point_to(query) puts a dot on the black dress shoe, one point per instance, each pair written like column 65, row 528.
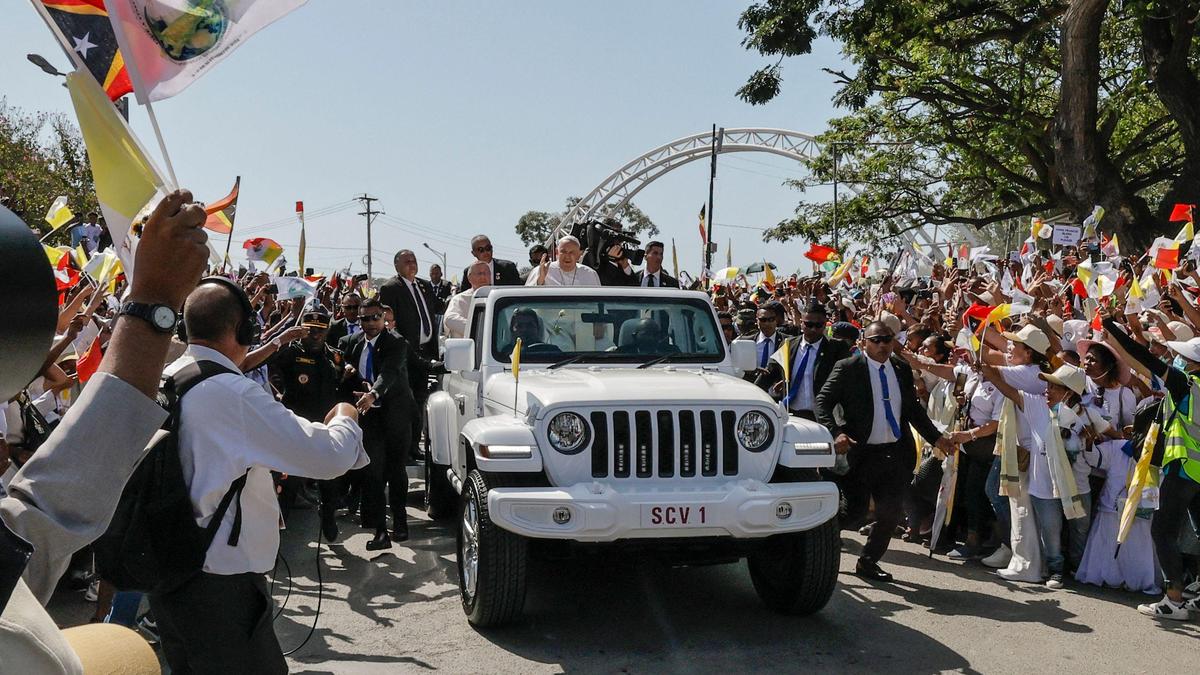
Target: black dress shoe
column 329, row 528
column 401, row 532
column 869, row 570
column 380, row 541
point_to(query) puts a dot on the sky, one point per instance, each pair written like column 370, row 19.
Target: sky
column 461, row 116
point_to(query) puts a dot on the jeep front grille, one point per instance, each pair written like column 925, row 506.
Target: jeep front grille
column 663, row 443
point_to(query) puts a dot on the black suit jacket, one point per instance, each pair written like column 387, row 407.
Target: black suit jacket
column 849, row 386
column 394, row 293
column 392, row 356
column 830, row 353
column 337, row 331
column 667, row 280
column 504, row 273
column 441, row 295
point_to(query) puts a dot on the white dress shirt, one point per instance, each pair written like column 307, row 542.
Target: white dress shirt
column 773, row 345
column 805, row 395
column 228, row 426
column 881, row 431
column 362, row 358
column 582, row 275
column 458, row 313
column 657, row 279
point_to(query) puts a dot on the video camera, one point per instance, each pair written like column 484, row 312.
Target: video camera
column 598, row 236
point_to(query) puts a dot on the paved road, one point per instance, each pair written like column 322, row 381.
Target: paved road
column 399, row 611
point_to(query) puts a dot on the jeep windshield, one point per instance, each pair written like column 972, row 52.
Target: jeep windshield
column 565, row 330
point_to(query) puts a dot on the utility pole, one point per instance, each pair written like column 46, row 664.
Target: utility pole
column 717, row 137
column 370, row 215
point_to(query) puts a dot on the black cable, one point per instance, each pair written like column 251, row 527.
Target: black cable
column 320, row 591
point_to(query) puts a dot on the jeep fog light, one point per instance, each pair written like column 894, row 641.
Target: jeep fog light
column 754, row 431
column 562, row 515
column 783, row 510
column 568, row 433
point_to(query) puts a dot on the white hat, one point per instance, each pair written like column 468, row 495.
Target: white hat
column 891, row 320
column 1188, row 349
column 1056, row 323
column 1067, row 376
column 1031, row 336
column 1181, row 330
column 1073, row 331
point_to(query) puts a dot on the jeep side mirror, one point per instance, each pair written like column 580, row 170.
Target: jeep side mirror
column 743, row 352
column 460, row 355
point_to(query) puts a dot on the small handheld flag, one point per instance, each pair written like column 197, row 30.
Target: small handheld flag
column 59, row 213
column 516, row 370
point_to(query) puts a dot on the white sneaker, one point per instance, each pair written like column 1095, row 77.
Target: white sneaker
column 1192, row 590
column 1055, row 581
column 1165, row 609
column 1192, row 605
column 1000, row 558
column 93, row 591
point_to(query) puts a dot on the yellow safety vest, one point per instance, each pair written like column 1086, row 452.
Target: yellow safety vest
column 1183, row 433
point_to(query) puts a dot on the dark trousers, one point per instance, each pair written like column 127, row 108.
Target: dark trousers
column 1178, row 497
column 386, row 438
column 220, row 624
column 972, row 475
column 882, row 473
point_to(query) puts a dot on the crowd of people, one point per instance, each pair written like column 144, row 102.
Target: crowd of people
column 1025, row 394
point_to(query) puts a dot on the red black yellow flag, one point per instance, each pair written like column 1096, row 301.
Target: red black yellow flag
column 85, row 32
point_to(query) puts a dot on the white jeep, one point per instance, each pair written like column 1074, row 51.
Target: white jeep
column 629, row 423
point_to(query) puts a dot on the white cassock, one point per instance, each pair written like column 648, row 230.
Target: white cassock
column 458, row 311
column 582, row 275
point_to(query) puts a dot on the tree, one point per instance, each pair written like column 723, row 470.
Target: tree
column 990, row 111
column 42, row 156
column 538, row 226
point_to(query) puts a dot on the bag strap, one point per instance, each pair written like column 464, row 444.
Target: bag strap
column 235, row 532
column 176, row 386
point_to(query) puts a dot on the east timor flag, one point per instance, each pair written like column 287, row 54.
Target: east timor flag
column 85, row 32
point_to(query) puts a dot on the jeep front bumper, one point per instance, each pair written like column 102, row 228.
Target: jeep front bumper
column 600, row 512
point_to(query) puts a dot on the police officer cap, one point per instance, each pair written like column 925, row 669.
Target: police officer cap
column 316, row 318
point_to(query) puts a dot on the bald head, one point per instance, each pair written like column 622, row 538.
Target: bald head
column 211, row 314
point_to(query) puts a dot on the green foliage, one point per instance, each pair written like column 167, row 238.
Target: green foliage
column 537, row 226
column 952, row 107
column 42, row 156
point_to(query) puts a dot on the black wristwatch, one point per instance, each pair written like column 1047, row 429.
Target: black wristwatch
column 163, row 318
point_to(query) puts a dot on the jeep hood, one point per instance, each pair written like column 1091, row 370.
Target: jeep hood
column 625, row 386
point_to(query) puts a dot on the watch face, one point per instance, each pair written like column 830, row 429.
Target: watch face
column 164, row 317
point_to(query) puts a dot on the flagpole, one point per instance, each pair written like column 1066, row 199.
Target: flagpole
column 162, row 145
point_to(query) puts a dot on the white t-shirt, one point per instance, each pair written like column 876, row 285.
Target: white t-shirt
column 1025, row 380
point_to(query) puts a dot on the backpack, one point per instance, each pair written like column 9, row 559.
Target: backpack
column 153, row 542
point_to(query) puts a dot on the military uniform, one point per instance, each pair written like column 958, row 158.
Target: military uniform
column 309, row 383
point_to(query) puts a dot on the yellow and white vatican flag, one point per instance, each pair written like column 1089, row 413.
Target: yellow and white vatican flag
column 125, row 178
column 169, row 44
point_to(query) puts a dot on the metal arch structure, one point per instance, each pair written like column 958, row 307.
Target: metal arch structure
column 615, row 191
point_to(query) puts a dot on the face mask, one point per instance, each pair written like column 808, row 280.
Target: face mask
column 1179, row 363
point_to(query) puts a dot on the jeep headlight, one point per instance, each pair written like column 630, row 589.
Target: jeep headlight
column 568, row 433
column 754, row 431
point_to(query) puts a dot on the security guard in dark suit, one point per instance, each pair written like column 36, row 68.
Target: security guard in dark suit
column 307, row 373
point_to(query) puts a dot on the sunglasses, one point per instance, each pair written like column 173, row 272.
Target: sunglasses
column 349, row 308
column 769, row 319
column 814, row 324
column 371, row 317
column 880, row 339
column 484, row 249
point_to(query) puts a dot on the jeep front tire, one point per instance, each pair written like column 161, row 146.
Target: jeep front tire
column 491, row 560
column 795, row 573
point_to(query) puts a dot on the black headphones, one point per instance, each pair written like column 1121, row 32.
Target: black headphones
column 247, row 331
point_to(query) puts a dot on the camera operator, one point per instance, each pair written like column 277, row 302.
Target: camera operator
column 231, row 431
column 607, row 254
column 102, row 436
